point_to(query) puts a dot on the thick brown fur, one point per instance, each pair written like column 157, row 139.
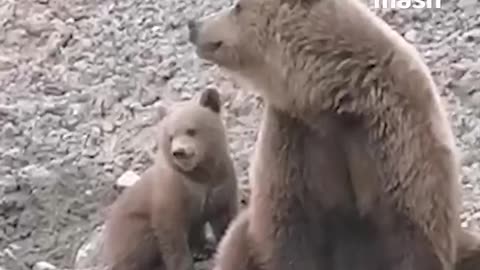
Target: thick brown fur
column 158, row 223
column 356, row 166
column 235, row 250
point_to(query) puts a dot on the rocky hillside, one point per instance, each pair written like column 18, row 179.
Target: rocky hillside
column 81, row 82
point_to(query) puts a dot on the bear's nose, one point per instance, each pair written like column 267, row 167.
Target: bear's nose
column 181, row 153
column 192, row 31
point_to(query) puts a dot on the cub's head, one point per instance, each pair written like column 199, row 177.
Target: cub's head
column 193, row 134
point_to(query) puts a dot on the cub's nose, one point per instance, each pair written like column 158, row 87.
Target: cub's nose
column 182, row 153
column 192, row 31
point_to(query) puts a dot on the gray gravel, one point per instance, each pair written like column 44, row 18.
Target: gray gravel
column 81, row 83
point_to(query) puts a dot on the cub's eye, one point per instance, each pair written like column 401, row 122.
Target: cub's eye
column 191, row 132
column 237, row 8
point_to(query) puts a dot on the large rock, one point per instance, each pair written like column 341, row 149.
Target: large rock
column 89, row 254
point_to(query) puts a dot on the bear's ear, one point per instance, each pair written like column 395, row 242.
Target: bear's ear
column 210, row 98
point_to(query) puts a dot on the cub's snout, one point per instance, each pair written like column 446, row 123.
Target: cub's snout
column 183, row 151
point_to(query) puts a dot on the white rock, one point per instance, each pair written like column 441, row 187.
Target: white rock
column 127, row 179
column 411, row 35
column 108, row 126
column 476, row 216
column 89, row 254
column 38, row 23
column 35, row 171
column 7, row 11
column 44, row 266
column 186, row 95
column 6, row 63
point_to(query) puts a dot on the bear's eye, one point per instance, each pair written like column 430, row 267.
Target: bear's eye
column 191, row 132
column 237, row 8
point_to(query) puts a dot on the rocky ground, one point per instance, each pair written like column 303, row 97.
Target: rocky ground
column 81, row 82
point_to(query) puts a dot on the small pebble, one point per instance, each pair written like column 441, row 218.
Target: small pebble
column 10, row 130
column 411, row 35
column 44, row 266
column 186, row 95
column 108, row 127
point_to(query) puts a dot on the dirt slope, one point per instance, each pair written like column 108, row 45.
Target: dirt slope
column 81, row 81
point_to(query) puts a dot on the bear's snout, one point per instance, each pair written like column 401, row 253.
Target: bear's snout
column 202, row 43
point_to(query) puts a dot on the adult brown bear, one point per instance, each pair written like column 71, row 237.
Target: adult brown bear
column 356, row 166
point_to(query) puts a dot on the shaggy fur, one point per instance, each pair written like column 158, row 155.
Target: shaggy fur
column 356, row 165
column 235, row 249
column 158, row 223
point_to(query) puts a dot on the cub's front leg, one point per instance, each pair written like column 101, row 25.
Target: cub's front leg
column 172, row 238
column 223, row 207
column 201, row 248
column 175, row 252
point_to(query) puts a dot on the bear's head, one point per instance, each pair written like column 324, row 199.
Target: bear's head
column 193, row 134
column 289, row 49
column 256, row 40
column 238, row 37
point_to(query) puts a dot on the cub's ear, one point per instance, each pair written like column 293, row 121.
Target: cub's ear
column 210, row 98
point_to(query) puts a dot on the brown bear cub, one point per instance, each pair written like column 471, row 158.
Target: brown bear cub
column 158, row 223
column 356, row 166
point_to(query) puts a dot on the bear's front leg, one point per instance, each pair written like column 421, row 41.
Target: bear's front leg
column 235, row 250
